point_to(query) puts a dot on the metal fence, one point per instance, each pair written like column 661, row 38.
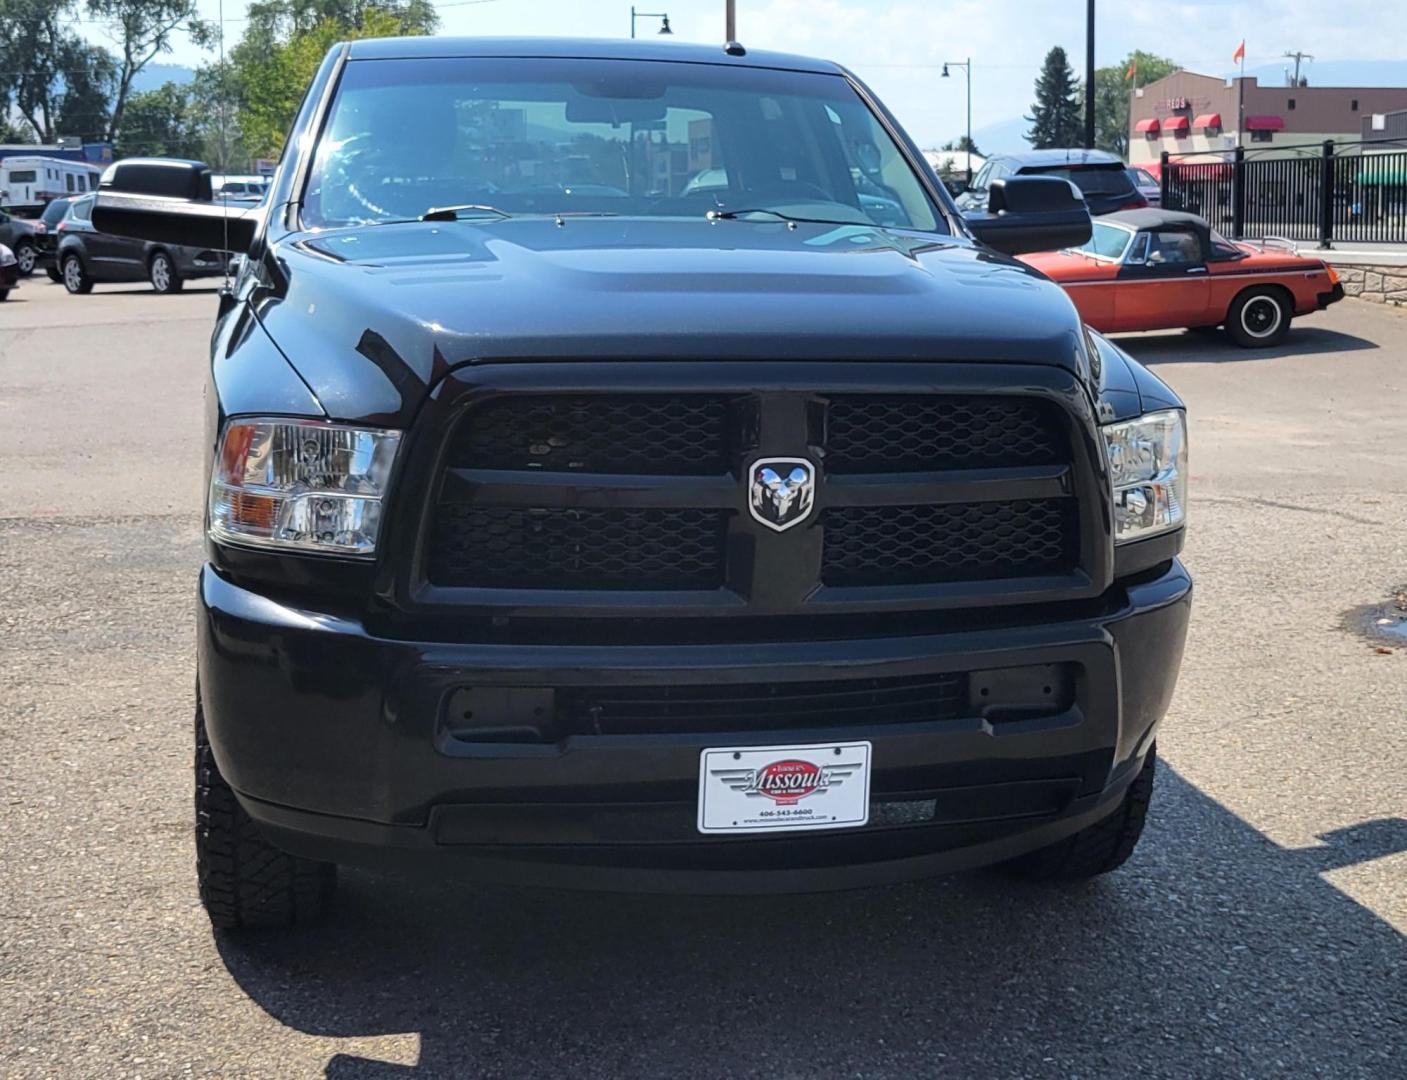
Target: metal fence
column 1352, row 192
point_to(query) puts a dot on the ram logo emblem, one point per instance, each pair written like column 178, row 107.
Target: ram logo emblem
column 782, row 491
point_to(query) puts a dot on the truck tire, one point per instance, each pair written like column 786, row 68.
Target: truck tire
column 162, row 273
column 25, row 256
column 1098, row 848
column 246, row 882
column 1259, row 318
column 75, row 276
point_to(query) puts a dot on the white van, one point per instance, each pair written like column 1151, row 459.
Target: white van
column 32, row 181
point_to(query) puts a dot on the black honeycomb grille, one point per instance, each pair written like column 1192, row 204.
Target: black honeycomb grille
column 513, row 548
column 876, row 433
column 661, row 435
column 643, row 710
column 919, row 545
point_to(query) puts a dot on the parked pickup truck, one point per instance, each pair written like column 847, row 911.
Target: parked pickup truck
column 568, row 523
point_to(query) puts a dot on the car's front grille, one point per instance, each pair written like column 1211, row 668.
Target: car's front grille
column 602, row 492
column 876, row 433
column 947, row 542
column 644, row 710
column 650, row 434
column 539, row 548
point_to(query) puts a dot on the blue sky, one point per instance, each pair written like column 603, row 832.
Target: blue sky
column 899, row 47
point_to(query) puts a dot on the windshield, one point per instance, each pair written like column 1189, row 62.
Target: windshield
column 1094, row 180
column 627, row 137
column 1107, row 241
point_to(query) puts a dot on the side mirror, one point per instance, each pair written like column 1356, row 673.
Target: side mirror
column 168, row 200
column 1032, row 213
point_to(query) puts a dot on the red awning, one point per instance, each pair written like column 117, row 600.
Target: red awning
column 1177, row 125
column 1207, row 120
column 1148, row 127
column 1265, row 123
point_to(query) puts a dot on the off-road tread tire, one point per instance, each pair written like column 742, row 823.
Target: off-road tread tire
column 1098, row 848
column 246, row 882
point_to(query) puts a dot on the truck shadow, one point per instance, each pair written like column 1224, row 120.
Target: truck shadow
column 1213, row 952
column 1189, row 347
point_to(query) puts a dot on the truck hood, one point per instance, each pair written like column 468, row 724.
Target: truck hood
column 372, row 317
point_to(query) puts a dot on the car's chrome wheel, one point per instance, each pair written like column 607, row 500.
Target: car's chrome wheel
column 73, row 274
column 161, row 273
column 25, row 256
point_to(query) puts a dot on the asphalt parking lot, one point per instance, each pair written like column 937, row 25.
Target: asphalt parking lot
column 1260, row 930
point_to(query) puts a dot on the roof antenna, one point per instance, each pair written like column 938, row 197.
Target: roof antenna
column 730, row 30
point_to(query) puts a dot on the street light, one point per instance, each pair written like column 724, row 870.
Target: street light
column 664, row 19
column 966, row 65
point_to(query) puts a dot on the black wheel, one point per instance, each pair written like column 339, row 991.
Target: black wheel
column 54, row 275
column 163, row 274
column 1259, row 318
column 246, row 882
column 25, row 256
column 1098, row 848
column 75, row 275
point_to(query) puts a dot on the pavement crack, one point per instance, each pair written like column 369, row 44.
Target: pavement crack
column 1276, row 504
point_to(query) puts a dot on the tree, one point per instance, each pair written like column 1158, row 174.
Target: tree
column 164, row 122
column 142, row 30
column 1113, row 87
column 962, row 142
column 284, row 42
column 1056, row 116
column 53, row 78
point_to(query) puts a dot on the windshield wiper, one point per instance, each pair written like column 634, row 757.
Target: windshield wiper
column 790, row 219
column 451, row 213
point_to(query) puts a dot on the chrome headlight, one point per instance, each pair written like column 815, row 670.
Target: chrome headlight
column 1148, row 470
column 301, row 485
column 7, row 257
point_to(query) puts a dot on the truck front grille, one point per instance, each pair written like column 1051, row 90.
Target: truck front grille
column 650, row 434
column 925, row 545
column 598, row 492
column 540, row 548
column 875, row 433
column 646, row 710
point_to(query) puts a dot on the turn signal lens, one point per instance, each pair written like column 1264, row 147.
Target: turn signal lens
column 301, row 485
column 1148, row 471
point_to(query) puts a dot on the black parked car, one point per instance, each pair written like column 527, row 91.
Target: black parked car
column 18, row 235
column 87, row 255
column 649, row 537
column 46, row 238
column 1102, row 177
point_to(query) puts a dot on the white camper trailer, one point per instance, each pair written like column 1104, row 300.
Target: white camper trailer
column 30, row 182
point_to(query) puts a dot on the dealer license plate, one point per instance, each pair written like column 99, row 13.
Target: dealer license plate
column 749, row 789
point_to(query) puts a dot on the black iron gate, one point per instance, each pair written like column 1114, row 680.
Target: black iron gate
column 1354, row 193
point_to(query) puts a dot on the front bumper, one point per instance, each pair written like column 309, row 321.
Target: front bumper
column 335, row 742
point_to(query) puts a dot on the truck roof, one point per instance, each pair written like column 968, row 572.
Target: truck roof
column 580, row 48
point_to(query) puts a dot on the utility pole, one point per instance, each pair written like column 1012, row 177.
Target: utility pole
column 1297, row 57
column 1089, row 74
column 730, row 21
column 966, row 65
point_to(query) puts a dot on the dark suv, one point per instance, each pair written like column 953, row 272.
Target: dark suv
column 87, row 255
column 568, row 523
column 1102, row 177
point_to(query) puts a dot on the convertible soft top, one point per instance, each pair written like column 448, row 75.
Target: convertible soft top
column 1155, row 218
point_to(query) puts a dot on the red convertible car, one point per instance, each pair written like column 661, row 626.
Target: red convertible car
column 1156, row 269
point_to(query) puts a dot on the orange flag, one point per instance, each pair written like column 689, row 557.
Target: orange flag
column 1132, row 71
column 1240, row 53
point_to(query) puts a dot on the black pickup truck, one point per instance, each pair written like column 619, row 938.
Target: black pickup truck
column 600, row 495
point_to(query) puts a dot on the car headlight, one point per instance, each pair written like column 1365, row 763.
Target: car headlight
column 301, row 485
column 1148, row 470
column 7, row 257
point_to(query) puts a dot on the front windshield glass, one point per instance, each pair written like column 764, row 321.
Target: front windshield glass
column 1107, row 241
column 637, row 138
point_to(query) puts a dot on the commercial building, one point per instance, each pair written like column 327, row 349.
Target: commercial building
column 1187, row 113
